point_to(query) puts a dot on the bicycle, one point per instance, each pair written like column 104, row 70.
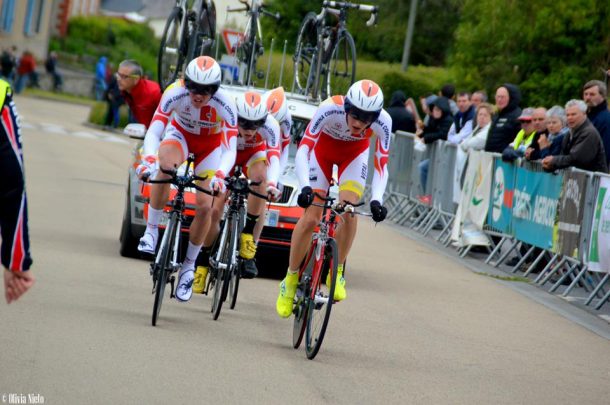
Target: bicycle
column 313, row 299
column 188, row 33
column 325, row 56
column 225, row 263
column 251, row 48
column 166, row 260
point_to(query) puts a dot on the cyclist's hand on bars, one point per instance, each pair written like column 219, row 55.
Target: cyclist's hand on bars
column 147, row 167
column 305, row 197
column 379, row 211
column 218, row 182
column 273, row 192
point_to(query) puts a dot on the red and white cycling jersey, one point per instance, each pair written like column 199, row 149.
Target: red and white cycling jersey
column 265, row 144
column 211, row 129
column 328, row 140
column 285, row 128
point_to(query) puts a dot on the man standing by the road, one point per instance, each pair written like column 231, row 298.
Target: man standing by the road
column 594, row 94
column 15, row 247
column 142, row 95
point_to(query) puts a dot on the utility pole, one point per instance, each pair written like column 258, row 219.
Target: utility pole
column 409, row 37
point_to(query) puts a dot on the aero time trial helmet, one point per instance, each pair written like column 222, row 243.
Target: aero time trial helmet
column 364, row 101
column 276, row 103
column 251, row 110
column 202, row 76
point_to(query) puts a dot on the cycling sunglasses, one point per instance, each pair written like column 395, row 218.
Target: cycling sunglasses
column 201, row 89
column 249, row 124
column 367, row 117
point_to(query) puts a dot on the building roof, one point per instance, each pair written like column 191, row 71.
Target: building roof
column 122, row 6
column 157, row 8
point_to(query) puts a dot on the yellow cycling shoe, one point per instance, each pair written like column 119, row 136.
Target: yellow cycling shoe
column 200, row 275
column 247, row 248
column 285, row 301
column 340, row 293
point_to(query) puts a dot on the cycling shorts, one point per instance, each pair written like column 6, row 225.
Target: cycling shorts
column 206, row 148
column 247, row 157
column 351, row 157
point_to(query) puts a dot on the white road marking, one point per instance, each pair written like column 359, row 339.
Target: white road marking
column 58, row 129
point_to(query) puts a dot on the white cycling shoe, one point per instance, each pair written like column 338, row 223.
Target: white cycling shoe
column 184, row 290
column 148, row 243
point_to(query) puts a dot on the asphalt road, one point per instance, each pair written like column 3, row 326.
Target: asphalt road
column 417, row 327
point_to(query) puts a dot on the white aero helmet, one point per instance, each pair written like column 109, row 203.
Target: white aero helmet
column 202, row 75
column 251, row 110
column 364, row 101
column 277, row 104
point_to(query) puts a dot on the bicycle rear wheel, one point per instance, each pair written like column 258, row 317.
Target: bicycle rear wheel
column 202, row 40
column 236, row 270
column 171, row 50
column 301, row 307
column 227, row 249
column 305, row 53
column 321, row 301
column 162, row 264
column 341, row 72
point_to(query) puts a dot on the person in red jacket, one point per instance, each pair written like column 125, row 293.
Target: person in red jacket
column 142, row 95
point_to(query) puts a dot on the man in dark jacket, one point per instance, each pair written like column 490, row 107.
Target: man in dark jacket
column 582, row 147
column 505, row 124
column 402, row 119
column 594, row 94
column 437, row 128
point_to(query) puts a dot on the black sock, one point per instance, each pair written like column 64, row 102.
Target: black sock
column 250, row 222
column 204, row 256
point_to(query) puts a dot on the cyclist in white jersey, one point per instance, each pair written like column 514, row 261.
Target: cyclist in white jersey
column 338, row 134
column 194, row 116
column 258, row 152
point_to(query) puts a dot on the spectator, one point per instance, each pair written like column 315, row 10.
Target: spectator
column 463, row 120
column 594, row 94
column 142, row 95
column 476, row 140
column 437, row 128
column 15, row 246
column 26, row 71
column 426, row 107
column 548, row 143
column 7, row 64
column 100, row 85
column 114, row 99
column 505, row 125
column 51, row 67
column 448, row 91
column 478, row 97
column 582, row 147
column 402, row 119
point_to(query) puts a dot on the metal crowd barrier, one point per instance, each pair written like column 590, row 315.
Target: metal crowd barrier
column 568, row 271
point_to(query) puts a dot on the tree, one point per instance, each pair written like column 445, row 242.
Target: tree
column 549, row 47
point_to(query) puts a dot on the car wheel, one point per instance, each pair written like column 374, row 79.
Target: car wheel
column 129, row 243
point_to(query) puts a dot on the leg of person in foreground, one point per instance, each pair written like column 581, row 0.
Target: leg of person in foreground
column 257, row 172
column 299, row 244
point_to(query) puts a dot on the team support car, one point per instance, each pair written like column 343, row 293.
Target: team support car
column 281, row 217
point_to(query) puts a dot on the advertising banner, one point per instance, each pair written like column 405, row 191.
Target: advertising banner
column 535, row 202
column 599, row 249
column 472, row 211
column 571, row 208
column 501, row 204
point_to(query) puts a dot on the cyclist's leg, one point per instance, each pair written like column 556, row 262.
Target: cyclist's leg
column 301, row 235
column 352, row 178
column 172, row 152
column 255, row 170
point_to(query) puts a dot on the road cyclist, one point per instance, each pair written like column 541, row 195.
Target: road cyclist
column 194, row 116
column 339, row 134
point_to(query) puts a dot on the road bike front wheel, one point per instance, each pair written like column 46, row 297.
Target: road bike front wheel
column 305, row 53
column 171, row 51
column 301, row 306
column 321, row 301
column 236, row 269
column 161, row 269
column 341, row 72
